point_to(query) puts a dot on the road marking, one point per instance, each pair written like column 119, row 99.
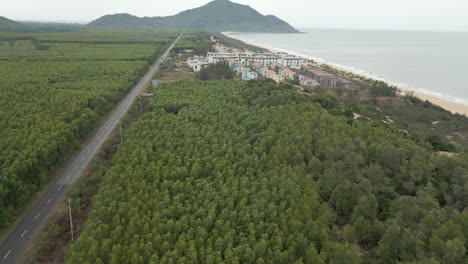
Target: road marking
column 37, row 216
column 58, row 189
column 8, row 253
column 24, row 233
column 49, row 200
column 68, row 177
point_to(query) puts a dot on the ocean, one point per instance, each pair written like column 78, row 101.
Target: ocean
column 434, row 63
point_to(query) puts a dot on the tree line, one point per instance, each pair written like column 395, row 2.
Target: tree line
column 254, row 172
column 50, row 99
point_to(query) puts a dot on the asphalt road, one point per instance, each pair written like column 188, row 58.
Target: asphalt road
column 18, row 241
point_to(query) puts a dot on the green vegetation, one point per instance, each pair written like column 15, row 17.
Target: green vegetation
column 51, row 246
column 10, row 25
column 197, row 41
column 252, row 172
column 422, row 120
column 446, row 131
column 216, row 16
column 218, row 71
column 237, row 43
column 24, row 45
column 51, row 97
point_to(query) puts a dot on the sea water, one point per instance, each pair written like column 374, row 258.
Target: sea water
column 435, row 63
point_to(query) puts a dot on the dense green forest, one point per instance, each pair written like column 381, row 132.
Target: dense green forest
column 197, row 41
column 53, row 89
column 253, row 172
column 218, row 71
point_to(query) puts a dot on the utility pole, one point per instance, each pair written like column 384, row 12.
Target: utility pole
column 121, row 133
column 71, row 221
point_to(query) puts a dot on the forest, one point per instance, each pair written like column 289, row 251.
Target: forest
column 197, row 41
column 54, row 87
column 255, row 172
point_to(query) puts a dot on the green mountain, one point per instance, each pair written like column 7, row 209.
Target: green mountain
column 218, row 15
column 120, row 21
column 10, row 25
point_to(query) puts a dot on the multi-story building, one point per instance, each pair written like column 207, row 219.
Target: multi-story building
column 284, row 60
column 247, row 74
column 304, row 80
column 324, row 78
column 197, row 63
column 287, row 73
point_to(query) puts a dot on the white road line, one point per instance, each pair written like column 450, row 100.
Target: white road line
column 37, row 216
column 8, row 253
column 68, row 177
column 58, row 189
column 24, row 233
column 49, row 200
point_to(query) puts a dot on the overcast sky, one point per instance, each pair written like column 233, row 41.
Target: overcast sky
column 363, row 14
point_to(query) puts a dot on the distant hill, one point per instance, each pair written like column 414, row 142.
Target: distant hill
column 120, row 21
column 218, row 15
column 10, row 25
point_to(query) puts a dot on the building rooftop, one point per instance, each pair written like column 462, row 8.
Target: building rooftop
column 308, row 67
column 324, row 74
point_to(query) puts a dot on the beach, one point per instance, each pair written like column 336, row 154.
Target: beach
column 448, row 105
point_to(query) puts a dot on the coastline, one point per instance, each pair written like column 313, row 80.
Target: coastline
column 453, row 107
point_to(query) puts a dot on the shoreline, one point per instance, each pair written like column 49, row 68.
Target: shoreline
column 451, row 106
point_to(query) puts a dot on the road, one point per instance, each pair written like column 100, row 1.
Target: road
column 18, row 241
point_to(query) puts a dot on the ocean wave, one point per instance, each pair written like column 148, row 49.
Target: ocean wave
column 358, row 71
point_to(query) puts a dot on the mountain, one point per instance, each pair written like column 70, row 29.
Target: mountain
column 218, row 15
column 120, row 21
column 10, row 25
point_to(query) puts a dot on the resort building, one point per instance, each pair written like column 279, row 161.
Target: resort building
column 287, row 73
column 247, row 74
column 292, row 62
column 304, row 80
column 248, row 59
column 197, row 63
column 199, row 66
column 264, row 71
column 325, row 78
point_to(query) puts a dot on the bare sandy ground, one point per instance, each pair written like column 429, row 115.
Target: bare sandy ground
column 444, row 103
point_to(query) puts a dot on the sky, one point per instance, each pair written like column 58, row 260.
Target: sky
column 447, row 15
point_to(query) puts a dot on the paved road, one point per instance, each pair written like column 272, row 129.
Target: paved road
column 18, row 241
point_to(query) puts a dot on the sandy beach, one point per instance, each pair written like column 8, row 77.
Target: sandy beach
column 448, row 105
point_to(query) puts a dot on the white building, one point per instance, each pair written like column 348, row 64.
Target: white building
column 199, row 66
column 197, row 63
column 292, row 62
column 192, row 61
column 304, row 80
column 284, row 60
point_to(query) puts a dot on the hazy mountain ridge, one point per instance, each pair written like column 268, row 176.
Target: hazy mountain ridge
column 10, row 25
column 218, row 15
